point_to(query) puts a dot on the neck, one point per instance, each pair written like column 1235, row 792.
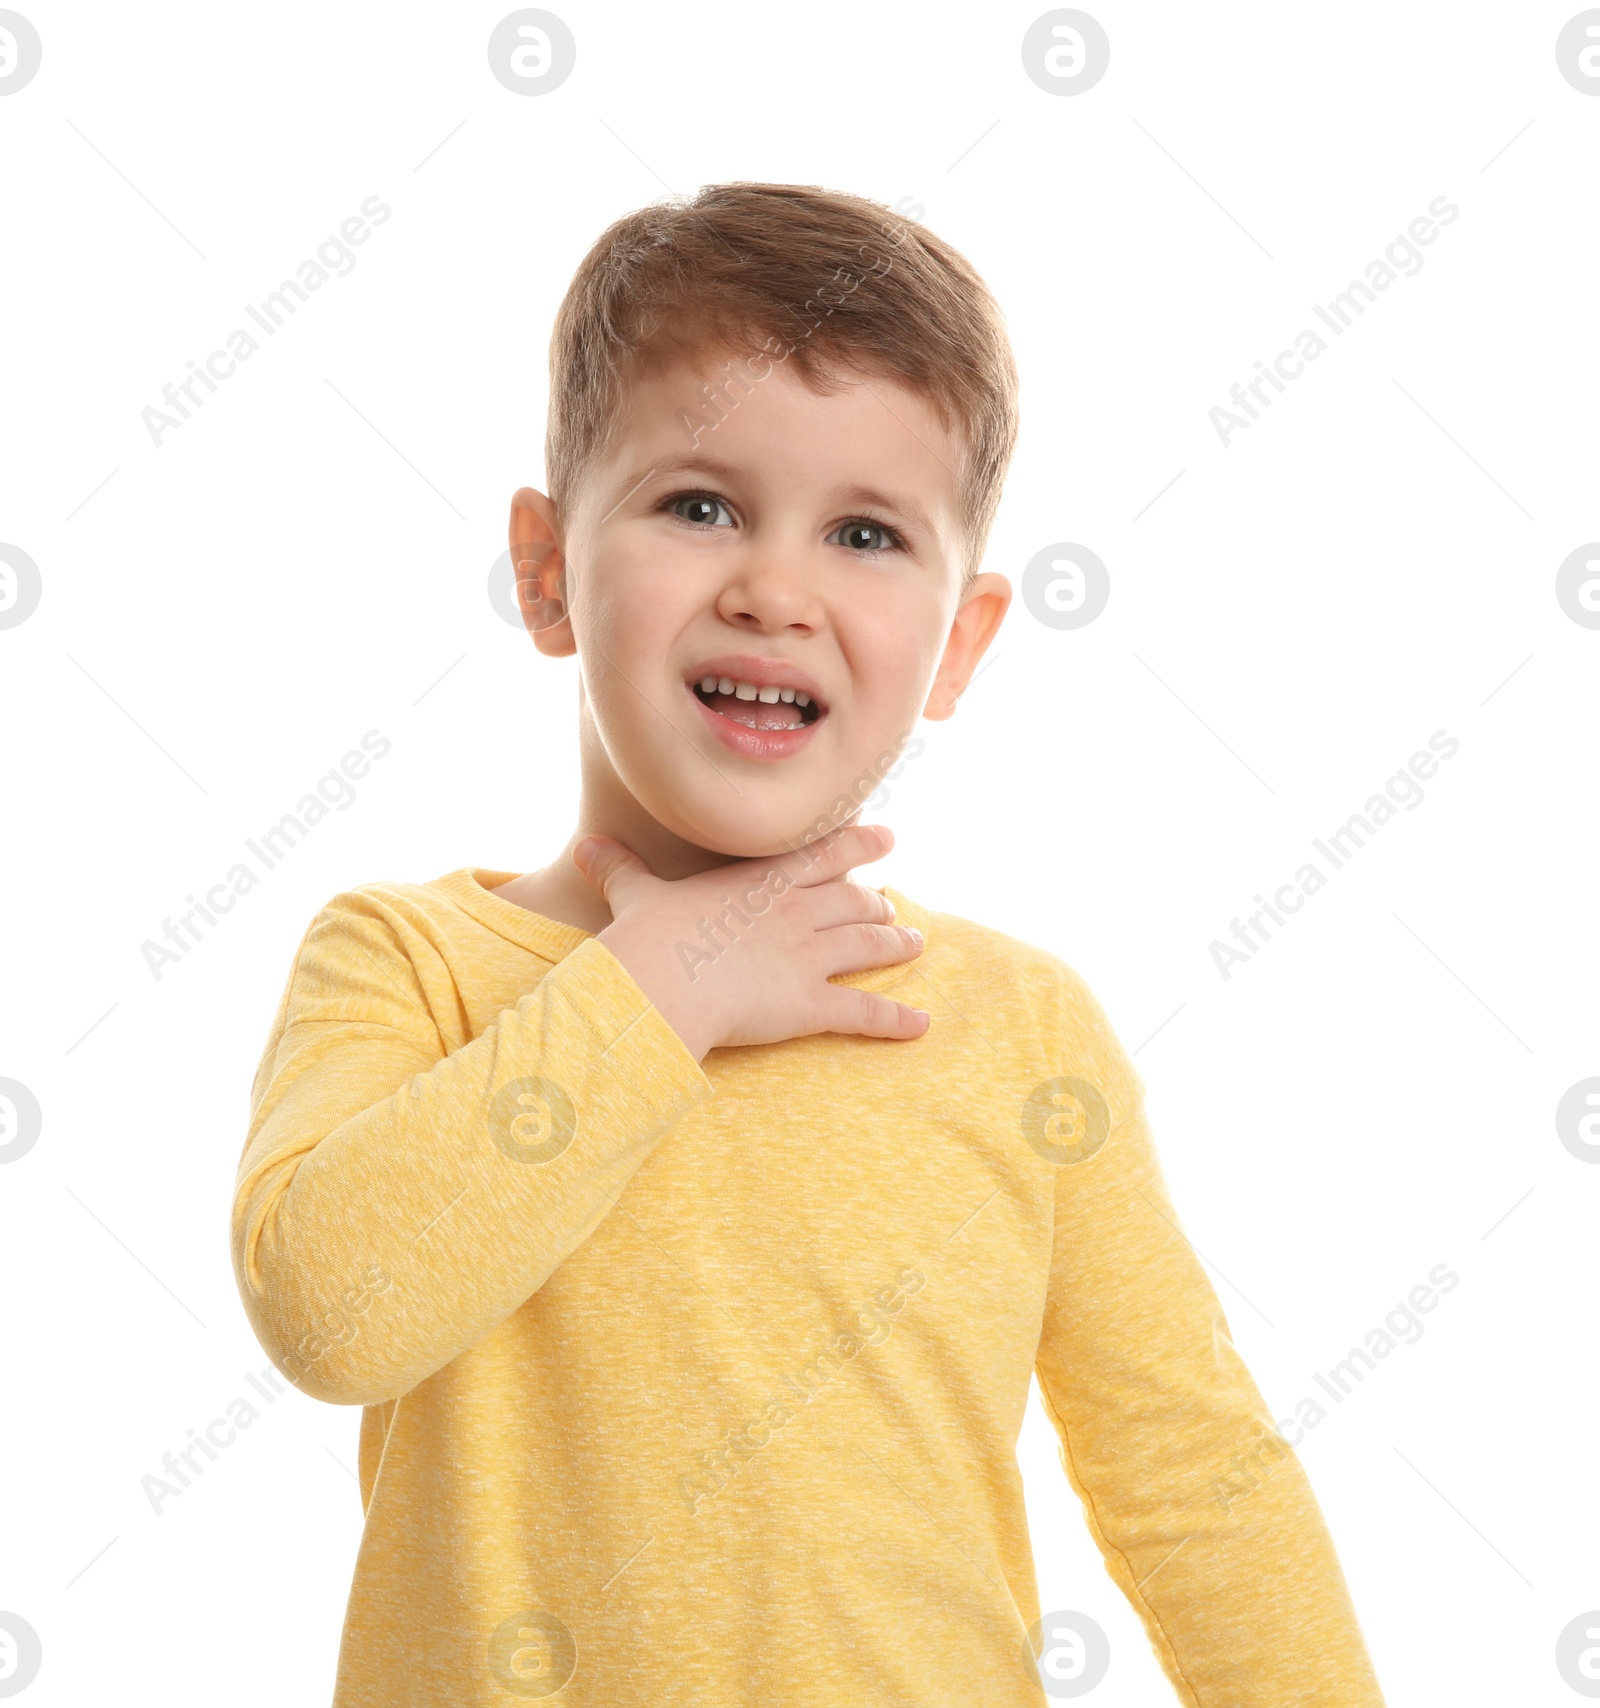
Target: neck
column 560, row 891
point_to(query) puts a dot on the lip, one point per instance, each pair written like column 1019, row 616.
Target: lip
column 768, row 744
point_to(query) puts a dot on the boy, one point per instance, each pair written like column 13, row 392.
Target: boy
column 689, row 1218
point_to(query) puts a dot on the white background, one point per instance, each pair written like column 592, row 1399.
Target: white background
column 1371, row 1095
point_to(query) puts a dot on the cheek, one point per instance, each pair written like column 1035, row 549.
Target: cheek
column 893, row 651
column 631, row 602
column 635, row 600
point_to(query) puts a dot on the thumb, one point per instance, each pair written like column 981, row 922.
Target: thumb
column 608, row 865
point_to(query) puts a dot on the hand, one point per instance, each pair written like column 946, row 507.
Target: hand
column 765, row 980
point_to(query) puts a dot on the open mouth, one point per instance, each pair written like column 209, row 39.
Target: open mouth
column 758, row 705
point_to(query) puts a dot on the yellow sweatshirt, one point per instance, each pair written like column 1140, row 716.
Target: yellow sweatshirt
column 701, row 1385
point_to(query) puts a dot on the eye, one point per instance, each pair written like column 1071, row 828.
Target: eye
column 700, row 508
column 867, row 537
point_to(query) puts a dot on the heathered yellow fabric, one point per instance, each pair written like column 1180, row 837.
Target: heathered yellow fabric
column 701, row 1385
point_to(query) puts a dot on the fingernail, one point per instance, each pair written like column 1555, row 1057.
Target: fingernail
column 914, row 934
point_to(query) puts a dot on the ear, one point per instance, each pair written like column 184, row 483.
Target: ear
column 983, row 606
column 540, row 568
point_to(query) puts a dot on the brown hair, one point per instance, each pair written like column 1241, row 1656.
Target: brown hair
column 835, row 281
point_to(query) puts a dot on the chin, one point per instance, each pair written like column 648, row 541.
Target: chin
column 755, row 834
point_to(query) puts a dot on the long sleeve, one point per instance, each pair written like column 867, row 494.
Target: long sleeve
column 1199, row 1507
column 396, row 1201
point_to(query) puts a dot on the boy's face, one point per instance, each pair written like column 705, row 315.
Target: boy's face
column 800, row 542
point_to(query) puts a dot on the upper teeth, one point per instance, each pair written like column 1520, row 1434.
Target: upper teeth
column 751, row 690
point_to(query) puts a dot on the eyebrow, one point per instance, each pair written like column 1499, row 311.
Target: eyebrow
column 907, row 507
column 718, row 470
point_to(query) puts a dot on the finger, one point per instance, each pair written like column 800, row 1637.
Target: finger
column 847, row 904
column 856, row 948
column 609, row 866
column 864, row 1013
column 833, row 855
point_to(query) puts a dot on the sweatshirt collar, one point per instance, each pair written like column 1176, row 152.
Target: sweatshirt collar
column 471, row 889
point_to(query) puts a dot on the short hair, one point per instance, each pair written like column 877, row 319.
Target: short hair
column 836, row 280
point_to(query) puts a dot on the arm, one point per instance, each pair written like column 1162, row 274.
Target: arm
column 397, row 1199
column 396, row 1202
column 1199, row 1507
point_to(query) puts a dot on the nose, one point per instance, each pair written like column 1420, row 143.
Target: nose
column 770, row 588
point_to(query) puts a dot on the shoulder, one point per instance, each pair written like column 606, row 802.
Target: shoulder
column 1042, row 997
column 1011, row 962
column 375, row 916
column 386, row 938
column 392, row 901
